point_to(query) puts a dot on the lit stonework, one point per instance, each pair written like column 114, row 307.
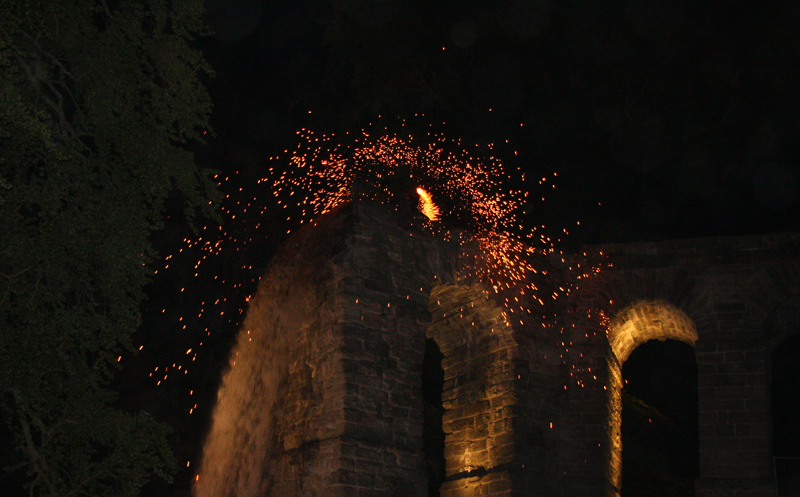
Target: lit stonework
column 630, row 328
column 323, row 395
column 645, row 321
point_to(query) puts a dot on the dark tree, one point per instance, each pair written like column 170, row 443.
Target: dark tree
column 97, row 102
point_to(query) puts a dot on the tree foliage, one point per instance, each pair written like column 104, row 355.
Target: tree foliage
column 97, row 102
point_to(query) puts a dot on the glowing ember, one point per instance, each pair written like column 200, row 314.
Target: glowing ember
column 426, row 205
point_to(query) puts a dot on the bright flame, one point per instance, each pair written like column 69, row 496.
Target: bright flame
column 426, row 205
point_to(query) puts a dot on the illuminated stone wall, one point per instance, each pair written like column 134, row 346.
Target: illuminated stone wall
column 723, row 296
column 479, row 391
column 346, row 415
column 525, row 415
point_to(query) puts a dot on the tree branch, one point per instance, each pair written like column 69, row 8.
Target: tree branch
column 36, row 459
column 67, row 130
column 105, row 7
column 18, row 273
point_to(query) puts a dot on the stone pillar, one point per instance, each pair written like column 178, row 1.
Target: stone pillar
column 347, row 415
column 614, row 440
column 479, row 392
column 383, row 300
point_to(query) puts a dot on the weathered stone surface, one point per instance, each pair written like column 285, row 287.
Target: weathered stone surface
column 735, row 299
column 529, row 411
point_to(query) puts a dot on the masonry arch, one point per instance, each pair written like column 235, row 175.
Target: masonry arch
column 478, row 350
column 784, row 398
column 645, row 321
column 634, row 325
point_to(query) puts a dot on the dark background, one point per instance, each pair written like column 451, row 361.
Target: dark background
column 663, row 119
column 680, row 117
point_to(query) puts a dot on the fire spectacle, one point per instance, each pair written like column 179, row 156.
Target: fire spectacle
column 472, row 192
column 450, row 186
column 453, row 187
column 323, row 176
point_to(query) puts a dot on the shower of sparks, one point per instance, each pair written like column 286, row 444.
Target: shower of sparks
column 473, row 192
column 325, row 175
column 450, row 185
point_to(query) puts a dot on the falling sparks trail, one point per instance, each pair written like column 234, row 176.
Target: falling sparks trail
column 325, row 175
column 426, row 205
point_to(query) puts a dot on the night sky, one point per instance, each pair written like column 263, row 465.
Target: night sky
column 663, row 119
column 681, row 118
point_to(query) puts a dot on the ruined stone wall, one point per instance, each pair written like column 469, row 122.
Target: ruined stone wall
column 340, row 323
column 341, row 320
column 729, row 288
column 478, row 397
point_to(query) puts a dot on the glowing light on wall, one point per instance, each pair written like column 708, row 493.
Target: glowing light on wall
column 631, row 327
column 645, row 321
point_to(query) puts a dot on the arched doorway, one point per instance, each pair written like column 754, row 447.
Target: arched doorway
column 635, row 325
column 660, row 420
column 785, row 408
column 432, row 413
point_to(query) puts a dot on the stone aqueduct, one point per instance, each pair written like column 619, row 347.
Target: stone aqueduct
column 349, row 420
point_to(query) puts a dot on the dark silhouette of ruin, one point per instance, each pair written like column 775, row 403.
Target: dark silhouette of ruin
column 324, row 396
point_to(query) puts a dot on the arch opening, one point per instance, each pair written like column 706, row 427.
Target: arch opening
column 785, row 405
column 433, row 411
column 660, row 432
column 632, row 327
